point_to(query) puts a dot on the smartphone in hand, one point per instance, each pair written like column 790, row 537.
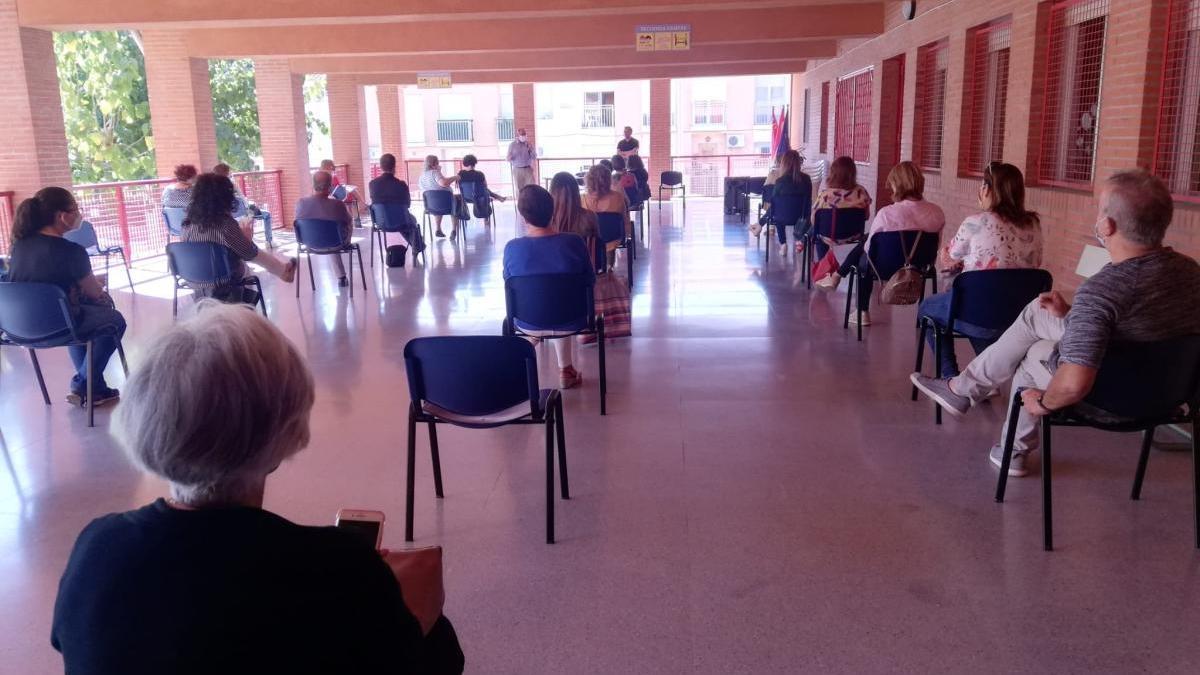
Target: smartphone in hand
column 366, row 524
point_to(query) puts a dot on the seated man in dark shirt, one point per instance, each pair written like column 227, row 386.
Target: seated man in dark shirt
column 1054, row 349
column 387, row 189
column 628, row 145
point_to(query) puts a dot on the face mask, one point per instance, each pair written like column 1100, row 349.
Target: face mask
column 1099, row 237
column 522, row 138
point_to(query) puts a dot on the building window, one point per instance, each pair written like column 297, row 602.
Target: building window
column 824, row 140
column 598, row 110
column 853, row 123
column 804, row 119
column 454, row 119
column 769, row 95
column 930, row 111
column 986, row 86
column 708, row 113
column 1177, row 152
column 1071, row 109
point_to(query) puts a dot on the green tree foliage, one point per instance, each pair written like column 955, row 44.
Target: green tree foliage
column 102, row 82
column 235, row 110
column 314, row 91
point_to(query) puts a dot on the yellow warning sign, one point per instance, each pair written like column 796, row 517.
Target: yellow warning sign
column 645, row 42
column 663, row 37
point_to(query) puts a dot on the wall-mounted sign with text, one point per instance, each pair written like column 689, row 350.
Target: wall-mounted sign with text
column 663, row 37
column 433, row 80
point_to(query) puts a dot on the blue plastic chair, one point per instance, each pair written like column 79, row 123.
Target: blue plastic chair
column 438, row 203
column 173, row 218
column 85, row 236
column 845, row 224
column 671, row 181
column 324, row 237
column 475, row 192
column 37, row 316
column 1140, row 386
column 987, row 299
column 886, row 252
column 787, row 211
column 388, row 217
column 479, row 382
column 612, row 228
column 561, row 302
column 202, row 262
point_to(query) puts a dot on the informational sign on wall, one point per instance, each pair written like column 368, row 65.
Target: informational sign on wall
column 433, row 80
column 663, row 37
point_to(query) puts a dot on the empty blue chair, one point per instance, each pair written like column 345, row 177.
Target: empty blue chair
column 473, row 192
column 173, row 218
column 85, row 236
column 1140, row 386
column 324, row 237
column 612, row 228
column 202, row 262
column 479, row 382
column 390, row 217
column 671, row 181
column 560, row 302
column 987, row 299
column 886, row 253
column 438, row 203
column 844, row 224
column 38, row 316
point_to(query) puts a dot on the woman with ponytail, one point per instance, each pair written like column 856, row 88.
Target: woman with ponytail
column 40, row 254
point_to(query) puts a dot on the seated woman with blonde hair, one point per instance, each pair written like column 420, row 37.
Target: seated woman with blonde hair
column 602, row 198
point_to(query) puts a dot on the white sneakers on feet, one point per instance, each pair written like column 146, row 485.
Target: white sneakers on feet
column 1018, row 466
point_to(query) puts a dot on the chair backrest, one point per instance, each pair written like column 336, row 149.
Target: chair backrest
column 389, row 216
column 843, row 223
column 200, row 262
column 240, row 208
column 174, row 217
column 317, row 233
column 438, row 202
column 85, row 236
column 671, row 178
column 472, row 375
column 599, row 253
column 995, row 298
column 472, row 190
column 754, row 186
column 339, row 193
column 31, row 313
column 787, row 210
column 887, row 250
column 611, row 227
column 1148, row 379
column 551, row 301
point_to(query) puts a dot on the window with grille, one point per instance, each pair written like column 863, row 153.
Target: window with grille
column 853, row 123
column 804, row 122
column 824, row 140
column 930, row 111
column 1177, row 144
column 986, row 86
column 1071, row 106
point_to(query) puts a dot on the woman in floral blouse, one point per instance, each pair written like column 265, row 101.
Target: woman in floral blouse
column 841, row 191
column 1003, row 236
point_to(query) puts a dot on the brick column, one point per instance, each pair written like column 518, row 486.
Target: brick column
column 181, row 113
column 282, row 127
column 34, row 153
column 348, row 127
column 525, row 117
column 391, row 126
column 660, row 131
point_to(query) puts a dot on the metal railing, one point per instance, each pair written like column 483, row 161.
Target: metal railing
column 455, row 131
column 710, row 113
column 762, row 114
column 598, row 116
column 705, row 175
column 505, row 129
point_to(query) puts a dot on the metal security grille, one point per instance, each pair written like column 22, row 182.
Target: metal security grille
column 824, row 140
column 987, row 93
column 1071, row 104
column 853, row 123
column 932, row 61
column 1177, row 144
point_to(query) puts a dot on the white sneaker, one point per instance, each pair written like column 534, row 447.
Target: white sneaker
column 1017, row 466
column 755, row 230
column 866, row 318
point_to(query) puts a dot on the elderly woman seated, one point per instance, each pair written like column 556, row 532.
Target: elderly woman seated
column 207, row 580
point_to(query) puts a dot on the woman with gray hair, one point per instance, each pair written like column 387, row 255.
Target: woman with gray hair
column 207, row 580
column 432, row 180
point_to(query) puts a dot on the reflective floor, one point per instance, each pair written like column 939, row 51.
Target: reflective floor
column 763, row 496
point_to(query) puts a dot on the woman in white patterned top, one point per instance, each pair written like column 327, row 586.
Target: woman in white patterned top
column 1003, row 236
column 431, row 180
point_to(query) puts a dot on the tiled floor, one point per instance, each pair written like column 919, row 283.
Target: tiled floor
column 763, row 496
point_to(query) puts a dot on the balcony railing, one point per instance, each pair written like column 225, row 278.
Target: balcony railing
column 455, row 131
column 598, row 116
column 505, row 129
column 709, row 113
column 762, row 114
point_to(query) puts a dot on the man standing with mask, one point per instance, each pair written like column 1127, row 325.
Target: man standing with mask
column 521, row 155
column 1054, row 349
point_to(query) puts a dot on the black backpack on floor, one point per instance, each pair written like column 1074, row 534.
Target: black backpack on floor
column 395, row 255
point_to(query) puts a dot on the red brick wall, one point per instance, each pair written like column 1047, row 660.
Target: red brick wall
column 391, row 121
column 34, row 152
column 1128, row 111
column 660, row 132
column 525, row 115
column 348, row 127
column 282, row 128
column 181, row 113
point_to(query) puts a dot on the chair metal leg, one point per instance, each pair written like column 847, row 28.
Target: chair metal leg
column 37, row 370
column 1047, row 504
column 262, row 301
column 920, row 353
column 91, row 383
column 560, row 429
column 603, row 367
column 410, row 479
column 362, row 270
column 128, row 275
column 849, row 293
column 937, row 357
column 312, row 278
column 121, row 353
column 374, row 235
column 550, row 475
column 437, row 460
column 175, row 300
column 1147, row 440
column 1010, row 437
column 350, row 258
column 1196, row 477
column 858, row 303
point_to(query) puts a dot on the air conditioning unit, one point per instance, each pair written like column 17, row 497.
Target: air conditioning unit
column 735, row 140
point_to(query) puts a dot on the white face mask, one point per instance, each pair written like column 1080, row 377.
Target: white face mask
column 522, row 138
column 1099, row 237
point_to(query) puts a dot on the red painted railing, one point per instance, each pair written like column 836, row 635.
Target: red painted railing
column 6, row 220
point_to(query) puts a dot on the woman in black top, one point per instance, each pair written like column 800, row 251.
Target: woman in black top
column 40, row 254
column 638, row 169
column 208, row 581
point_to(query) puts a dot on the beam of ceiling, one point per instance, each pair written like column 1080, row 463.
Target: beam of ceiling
column 598, row 73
